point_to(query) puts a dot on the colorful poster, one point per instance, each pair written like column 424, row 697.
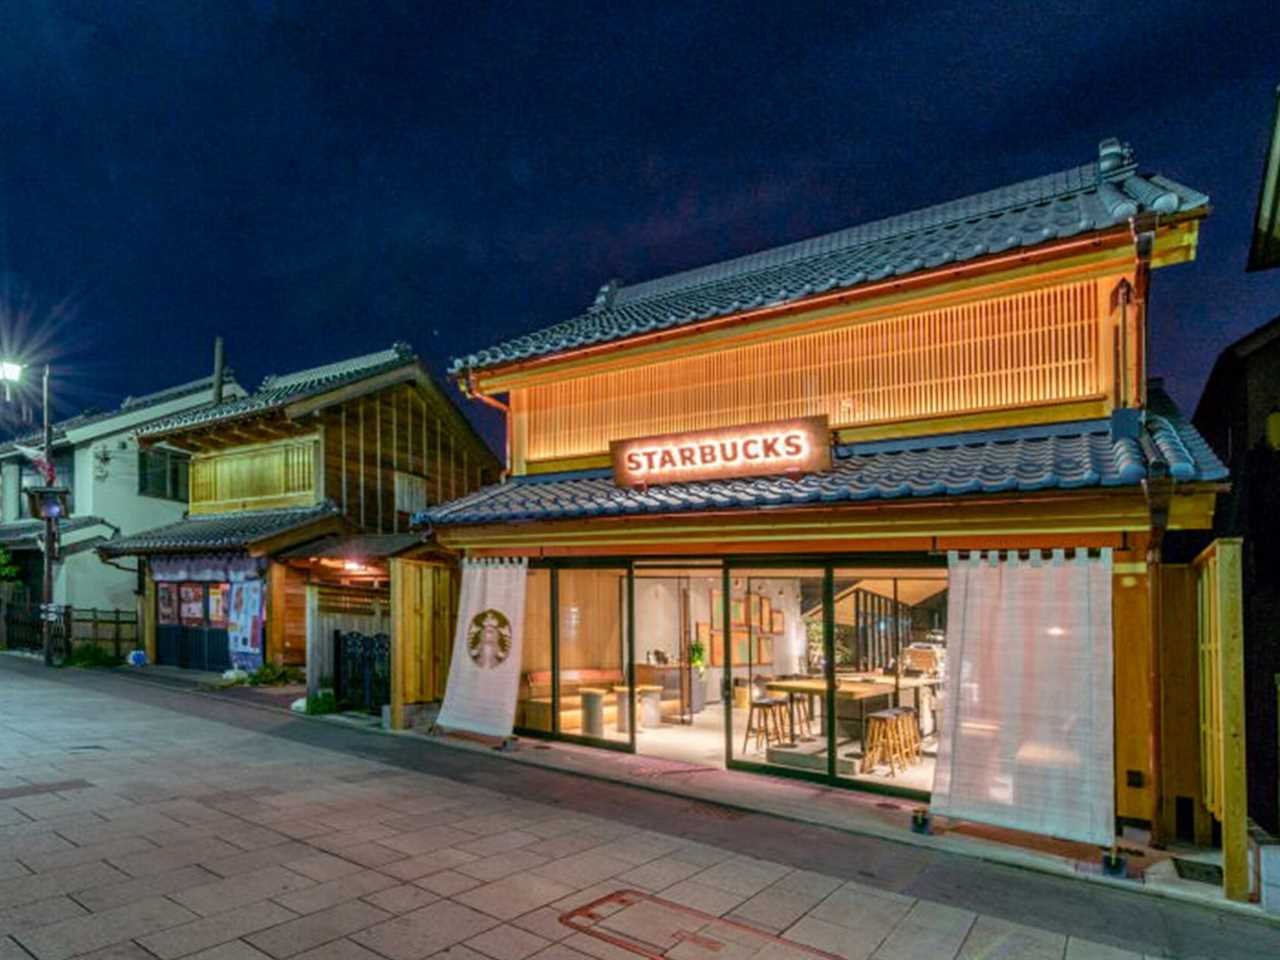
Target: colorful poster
column 191, row 604
column 167, row 604
column 244, row 625
column 218, row 605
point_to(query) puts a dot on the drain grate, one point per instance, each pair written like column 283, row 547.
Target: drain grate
column 716, row 811
column 1197, row 871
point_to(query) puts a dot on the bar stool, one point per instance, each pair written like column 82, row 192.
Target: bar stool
column 885, row 743
column 764, row 715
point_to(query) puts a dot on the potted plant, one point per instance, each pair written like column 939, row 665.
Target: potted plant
column 697, row 675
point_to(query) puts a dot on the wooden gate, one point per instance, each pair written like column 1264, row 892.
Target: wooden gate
column 424, row 607
column 1220, row 636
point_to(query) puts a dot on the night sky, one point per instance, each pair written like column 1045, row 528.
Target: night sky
column 316, row 180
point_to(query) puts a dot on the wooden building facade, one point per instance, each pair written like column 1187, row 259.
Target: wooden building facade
column 304, row 488
column 979, row 374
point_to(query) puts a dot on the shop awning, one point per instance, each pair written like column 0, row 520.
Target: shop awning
column 1076, row 455
column 247, row 530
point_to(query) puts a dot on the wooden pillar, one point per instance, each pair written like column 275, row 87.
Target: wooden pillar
column 148, row 617
column 1235, row 800
column 1131, row 652
column 276, row 600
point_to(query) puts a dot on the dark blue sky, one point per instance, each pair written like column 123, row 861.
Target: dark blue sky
column 315, row 180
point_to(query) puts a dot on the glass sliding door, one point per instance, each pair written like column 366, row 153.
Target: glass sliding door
column 674, row 612
column 889, row 632
column 773, row 646
column 534, row 700
column 595, row 700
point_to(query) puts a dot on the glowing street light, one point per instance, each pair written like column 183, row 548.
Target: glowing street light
column 10, row 373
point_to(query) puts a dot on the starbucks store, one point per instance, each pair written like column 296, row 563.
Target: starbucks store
column 900, row 534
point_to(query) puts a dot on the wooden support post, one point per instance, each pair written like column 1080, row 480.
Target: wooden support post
column 361, row 409
column 1235, row 811
column 378, row 463
column 342, row 420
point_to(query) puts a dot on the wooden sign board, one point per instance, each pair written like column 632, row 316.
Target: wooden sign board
column 796, row 446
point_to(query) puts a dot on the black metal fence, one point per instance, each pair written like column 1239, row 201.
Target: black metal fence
column 22, row 628
column 362, row 670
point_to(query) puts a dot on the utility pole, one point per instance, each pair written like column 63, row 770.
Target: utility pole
column 50, row 528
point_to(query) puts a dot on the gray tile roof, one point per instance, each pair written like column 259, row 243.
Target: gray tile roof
column 19, row 534
column 130, row 405
column 1060, row 456
column 218, row 531
column 1089, row 198
column 279, row 390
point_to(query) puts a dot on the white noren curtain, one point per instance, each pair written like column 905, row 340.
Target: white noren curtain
column 484, row 676
column 1026, row 735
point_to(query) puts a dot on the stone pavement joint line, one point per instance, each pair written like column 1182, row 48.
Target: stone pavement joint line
column 216, row 831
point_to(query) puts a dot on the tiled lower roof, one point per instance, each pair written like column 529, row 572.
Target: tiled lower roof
column 1084, row 199
column 24, row 533
column 1061, row 456
column 217, row 531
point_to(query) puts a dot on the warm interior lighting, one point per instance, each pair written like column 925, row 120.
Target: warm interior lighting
column 1036, row 347
column 1056, row 632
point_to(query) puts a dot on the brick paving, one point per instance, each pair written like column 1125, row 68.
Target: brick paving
column 139, row 822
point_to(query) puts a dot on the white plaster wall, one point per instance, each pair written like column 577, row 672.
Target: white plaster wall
column 10, row 481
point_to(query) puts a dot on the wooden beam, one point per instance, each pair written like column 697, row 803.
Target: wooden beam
column 379, row 464
column 360, row 405
column 342, row 416
column 1235, row 805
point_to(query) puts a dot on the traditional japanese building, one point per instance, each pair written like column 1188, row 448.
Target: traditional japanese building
column 881, row 508
column 298, row 519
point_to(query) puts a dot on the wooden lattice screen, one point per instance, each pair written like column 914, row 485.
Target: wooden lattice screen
column 256, row 476
column 1034, row 347
column 1220, row 629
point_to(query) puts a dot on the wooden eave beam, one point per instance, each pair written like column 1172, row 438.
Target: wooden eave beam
column 897, row 295
column 1119, row 512
column 285, row 539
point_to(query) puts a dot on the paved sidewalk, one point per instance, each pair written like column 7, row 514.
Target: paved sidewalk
column 139, row 822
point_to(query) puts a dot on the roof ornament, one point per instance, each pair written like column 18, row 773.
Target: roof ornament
column 605, row 297
column 1112, row 155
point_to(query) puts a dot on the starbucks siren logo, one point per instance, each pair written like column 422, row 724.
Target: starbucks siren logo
column 489, row 638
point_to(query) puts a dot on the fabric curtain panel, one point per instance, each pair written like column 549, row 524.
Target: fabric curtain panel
column 484, row 676
column 206, row 567
column 1026, row 739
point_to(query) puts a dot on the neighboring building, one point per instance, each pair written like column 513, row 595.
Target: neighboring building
column 116, row 488
column 1239, row 414
column 300, row 495
column 751, row 498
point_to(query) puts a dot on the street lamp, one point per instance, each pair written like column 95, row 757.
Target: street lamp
column 10, row 373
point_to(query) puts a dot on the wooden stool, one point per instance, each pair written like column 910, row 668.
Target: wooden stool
column 909, row 732
column 885, row 743
column 765, row 720
column 592, row 710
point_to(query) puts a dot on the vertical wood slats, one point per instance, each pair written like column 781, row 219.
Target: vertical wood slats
column 1034, row 347
column 243, row 476
column 1222, row 734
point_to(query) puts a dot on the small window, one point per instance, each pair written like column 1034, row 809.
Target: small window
column 411, row 493
column 163, row 474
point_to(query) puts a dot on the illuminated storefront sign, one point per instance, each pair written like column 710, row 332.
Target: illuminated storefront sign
column 802, row 445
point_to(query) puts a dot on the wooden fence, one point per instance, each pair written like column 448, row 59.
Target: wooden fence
column 114, row 631
column 1220, row 636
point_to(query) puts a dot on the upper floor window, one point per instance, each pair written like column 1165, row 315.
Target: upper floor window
column 411, row 492
column 163, row 474
column 64, row 476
